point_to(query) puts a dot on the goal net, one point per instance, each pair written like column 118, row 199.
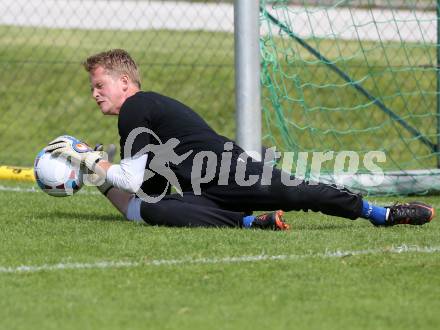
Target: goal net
column 355, row 76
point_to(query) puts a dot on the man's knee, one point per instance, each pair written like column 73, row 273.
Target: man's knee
column 305, row 195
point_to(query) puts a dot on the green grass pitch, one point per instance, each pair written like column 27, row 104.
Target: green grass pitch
column 178, row 278
column 184, row 278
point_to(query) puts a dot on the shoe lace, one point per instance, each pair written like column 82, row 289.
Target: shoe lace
column 399, row 211
column 262, row 217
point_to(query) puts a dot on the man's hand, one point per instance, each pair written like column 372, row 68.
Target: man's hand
column 70, row 147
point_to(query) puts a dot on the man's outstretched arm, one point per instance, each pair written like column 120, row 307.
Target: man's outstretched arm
column 128, row 175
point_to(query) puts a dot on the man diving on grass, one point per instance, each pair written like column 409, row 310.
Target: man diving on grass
column 220, row 185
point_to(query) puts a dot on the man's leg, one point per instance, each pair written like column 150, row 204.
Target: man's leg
column 189, row 211
column 306, row 195
column 198, row 211
column 303, row 196
column 173, row 210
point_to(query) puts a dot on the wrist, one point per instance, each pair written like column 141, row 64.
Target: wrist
column 91, row 161
column 105, row 188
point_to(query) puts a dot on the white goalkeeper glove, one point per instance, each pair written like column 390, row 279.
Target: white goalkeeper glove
column 70, row 147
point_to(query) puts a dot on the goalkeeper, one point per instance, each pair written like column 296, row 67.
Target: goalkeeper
column 220, row 201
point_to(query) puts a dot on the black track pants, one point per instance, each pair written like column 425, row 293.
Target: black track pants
column 189, row 211
column 304, row 195
column 226, row 205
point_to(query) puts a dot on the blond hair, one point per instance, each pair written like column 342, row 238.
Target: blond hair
column 114, row 61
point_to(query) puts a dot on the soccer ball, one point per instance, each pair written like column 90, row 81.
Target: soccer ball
column 56, row 175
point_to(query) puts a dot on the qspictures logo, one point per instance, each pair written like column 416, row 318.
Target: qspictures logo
column 209, row 167
column 162, row 156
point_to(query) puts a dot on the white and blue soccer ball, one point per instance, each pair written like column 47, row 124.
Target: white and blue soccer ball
column 56, row 175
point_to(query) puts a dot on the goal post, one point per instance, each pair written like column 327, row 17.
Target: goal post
column 247, row 74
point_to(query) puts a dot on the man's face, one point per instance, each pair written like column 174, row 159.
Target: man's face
column 107, row 90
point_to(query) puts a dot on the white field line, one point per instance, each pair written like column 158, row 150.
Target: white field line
column 37, row 190
column 333, row 23
column 210, row 261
